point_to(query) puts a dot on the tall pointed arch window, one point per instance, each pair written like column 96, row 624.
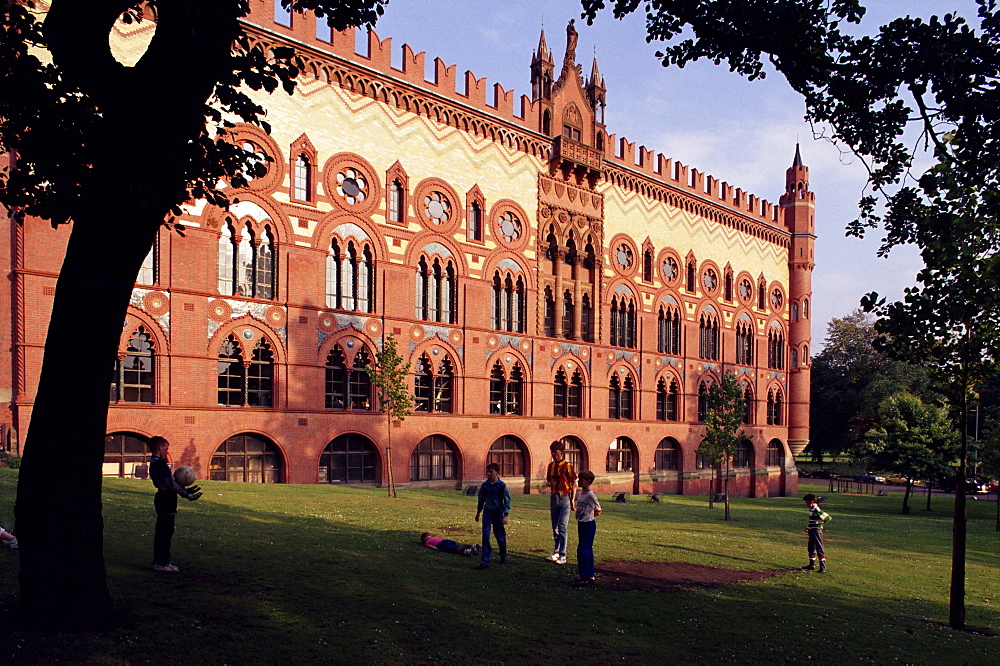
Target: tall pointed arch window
column 302, row 176
column 509, row 302
column 506, row 389
column 567, row 314
column 702, row 401
column 350, row 276
column 247, row 262
column 586, row 319
column 776, row 348
column 728, row 291
column 708, row 336
column 690, row 282
column 647, row 265
column 621, row 394
column 774, row 408
column 667, row 400
column 433, row 386
column 436, row 290
column 567, row 393
column 744, row 342
column 135, row 370
column 475, row 221
column 549, row 318
column 623, row 321
column 245, row 383
column 396, row 202
column 348, row 387
column 668, row 330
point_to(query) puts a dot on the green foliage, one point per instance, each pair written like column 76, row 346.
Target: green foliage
column 912, row 439
column 723, row 420
column 388, row 374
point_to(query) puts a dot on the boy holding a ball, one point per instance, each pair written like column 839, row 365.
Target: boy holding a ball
column 165, row 502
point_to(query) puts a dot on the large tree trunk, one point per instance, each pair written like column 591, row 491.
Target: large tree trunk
column 956, row 603
column 139, row 151
column 58, row 509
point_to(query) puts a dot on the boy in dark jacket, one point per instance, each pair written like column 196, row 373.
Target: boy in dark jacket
column 494, row 507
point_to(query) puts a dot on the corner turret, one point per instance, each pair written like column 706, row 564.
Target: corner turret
column 798, row 206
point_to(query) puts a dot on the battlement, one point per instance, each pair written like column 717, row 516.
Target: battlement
column 649, row 169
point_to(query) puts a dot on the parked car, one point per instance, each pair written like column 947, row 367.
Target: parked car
column 822, row 474
column 973, row 486
column 900, row 480
column 867, row 477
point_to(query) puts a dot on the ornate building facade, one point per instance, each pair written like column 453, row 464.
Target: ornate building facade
column 544, row 278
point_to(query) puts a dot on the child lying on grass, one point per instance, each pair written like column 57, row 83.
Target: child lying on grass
column 447, row 545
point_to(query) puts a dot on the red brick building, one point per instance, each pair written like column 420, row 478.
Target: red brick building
column 545, row 279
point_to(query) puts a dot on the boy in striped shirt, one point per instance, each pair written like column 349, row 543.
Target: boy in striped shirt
column 817, row 518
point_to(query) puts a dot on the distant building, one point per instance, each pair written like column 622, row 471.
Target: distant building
column 547, row 280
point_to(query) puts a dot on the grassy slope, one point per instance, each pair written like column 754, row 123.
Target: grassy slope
column 308, row 574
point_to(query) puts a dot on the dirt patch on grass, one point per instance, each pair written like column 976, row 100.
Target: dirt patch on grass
column 624, row 575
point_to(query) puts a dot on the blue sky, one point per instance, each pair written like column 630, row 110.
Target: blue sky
column 702, row 115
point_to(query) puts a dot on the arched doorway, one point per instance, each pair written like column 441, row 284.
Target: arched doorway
column 126, row 455
column 623, row 456
column 350, row 458
column 668, row 460
column 510, row 454
column 247, row 458
column 775, row 457
column 435, row 458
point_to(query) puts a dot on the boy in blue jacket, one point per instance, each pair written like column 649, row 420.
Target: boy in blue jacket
column 494, row 507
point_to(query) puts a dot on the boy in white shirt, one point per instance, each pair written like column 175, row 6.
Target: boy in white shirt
column 587, row 509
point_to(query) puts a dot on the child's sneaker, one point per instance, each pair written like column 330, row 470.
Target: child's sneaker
column 561, row 559
column 167, row 568
column 554, row 557
column 13, row 544
column 475, row 549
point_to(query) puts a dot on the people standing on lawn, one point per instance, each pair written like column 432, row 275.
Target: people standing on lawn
column 493, row 507
column 817, row 518
column 561, row 479
column 165, row 502
column 587, row 510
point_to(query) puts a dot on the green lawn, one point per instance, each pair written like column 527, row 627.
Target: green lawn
column 324, row 574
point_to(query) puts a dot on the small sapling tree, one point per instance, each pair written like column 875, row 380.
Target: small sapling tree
column 723, row 427
column 388, row 373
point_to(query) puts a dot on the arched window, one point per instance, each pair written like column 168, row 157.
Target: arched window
column 647, row 265
column 748, row 406
column 567, row 314
column 432, row 388
column 247, row 262
column 774, row 407
column 587, row 319
column 708, row 337
column 668, row 455
column 744, row 342
column 795, row 357
column 775, row 454
column 509, row 302
column 623, row 321
column 147, row 272
column 668, row 330
column 247, row 458
column 302, row 187
column 475, row 221
column 729, row 287
column 505, row 391
column 667, row 400
column 761, row 295
column 702, row 401
column 350, row 276
column 135, row 370
column 621, row 455
column 576, row 455
column 805, row 308
column 125, row 455
column 509, row 454
column 795, row 311
column 620, row 397
column 242, row 384
column 549, row 319
column 568, row 392
column 690, row 282
column 433, row 459
column 350, row 458
column 744, row 453
column 437, row 290
column 776, row 348
column 701, row 461
column 348, row 387
column 396, row 206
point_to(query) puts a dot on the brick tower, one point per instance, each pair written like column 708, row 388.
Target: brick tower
column 798, row 205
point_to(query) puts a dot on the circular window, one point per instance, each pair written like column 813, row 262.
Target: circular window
column 510, row 227
column 710, row 280
column 746, row 290
column 437, row 208
column 776, row 299
column 670, row 269
column 351, row 186
column 623, row 256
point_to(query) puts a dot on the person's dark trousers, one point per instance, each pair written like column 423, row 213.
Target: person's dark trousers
column 585, row 548
column 816, row 545
column 493, row 521
column 165, row 503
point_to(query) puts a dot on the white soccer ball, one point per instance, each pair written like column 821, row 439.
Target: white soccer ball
column 184, row 475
